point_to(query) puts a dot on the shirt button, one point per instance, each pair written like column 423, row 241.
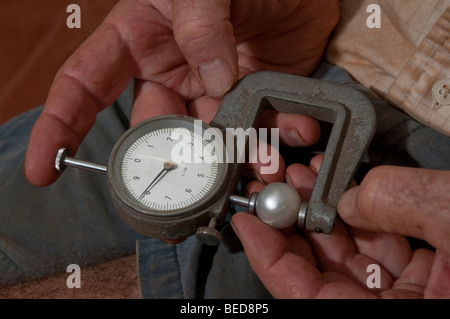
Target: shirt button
column 441, row 92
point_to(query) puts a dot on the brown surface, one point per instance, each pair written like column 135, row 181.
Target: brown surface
column 35, row 42
column 113, row 280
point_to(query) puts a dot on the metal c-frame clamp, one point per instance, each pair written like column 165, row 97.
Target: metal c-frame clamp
column 353, row 125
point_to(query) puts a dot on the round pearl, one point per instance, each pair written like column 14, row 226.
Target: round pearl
column 278, row 205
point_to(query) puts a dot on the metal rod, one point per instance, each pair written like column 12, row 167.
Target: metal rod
column 63, row 160
column 88, row 166
column 239, row 200
column 248, row 203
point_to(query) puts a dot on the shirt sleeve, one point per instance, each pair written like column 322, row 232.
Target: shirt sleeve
column 404, row 57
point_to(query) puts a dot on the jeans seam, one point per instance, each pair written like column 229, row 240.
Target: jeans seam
column 15, row 267
column 401, row 140
column 180, row 281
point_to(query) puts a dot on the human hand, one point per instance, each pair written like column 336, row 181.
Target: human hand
column 409, row 201
column 311, row 265
column 184, row 56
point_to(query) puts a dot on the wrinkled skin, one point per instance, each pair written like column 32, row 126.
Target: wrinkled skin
column 185, row 55
column 310, row 265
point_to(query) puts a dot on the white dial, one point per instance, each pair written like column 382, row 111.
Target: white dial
column 169, row 169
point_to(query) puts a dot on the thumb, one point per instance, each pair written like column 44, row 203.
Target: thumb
column 204, row 34
column 408, row 201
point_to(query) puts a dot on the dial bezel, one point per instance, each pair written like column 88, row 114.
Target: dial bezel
column 131, row 136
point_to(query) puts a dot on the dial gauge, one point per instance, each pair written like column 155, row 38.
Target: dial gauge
column 164, row 167
column 158, row 177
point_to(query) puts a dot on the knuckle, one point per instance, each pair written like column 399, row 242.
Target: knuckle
column 373, row 191
column 197, row 23
column 192, row 31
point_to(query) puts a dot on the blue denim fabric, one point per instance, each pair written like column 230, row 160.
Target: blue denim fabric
column 42, row 230
column 192, row 270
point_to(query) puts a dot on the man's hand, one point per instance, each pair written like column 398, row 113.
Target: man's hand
column 408, row 201
column 184, row 56
column 310, row 265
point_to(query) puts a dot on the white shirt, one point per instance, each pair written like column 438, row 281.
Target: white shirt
column 406, row 60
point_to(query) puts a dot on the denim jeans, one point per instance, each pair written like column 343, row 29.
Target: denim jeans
column 43, row 230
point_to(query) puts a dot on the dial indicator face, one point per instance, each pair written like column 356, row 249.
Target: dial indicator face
column 169, row 169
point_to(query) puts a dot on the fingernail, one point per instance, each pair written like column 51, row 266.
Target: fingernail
column 346, row 205
column 216, row 77
column 233, row 226
column 295, row 136
column 256, row 176
column 288, row 179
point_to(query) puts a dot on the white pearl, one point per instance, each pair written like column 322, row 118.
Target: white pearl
column 278, row 205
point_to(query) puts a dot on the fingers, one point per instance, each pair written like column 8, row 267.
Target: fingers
column 439, row 282
column 336, row 253
column 265, row 162
column 299, row 176
column 48, row 135
column 291, row 129
column 390, row 250
column 285, row 271
column 352, row 248
column 407, row 201
column 80, row 90
column 204, row 108
column 204, row 34
column 302, row 178
column 294, row 129
column 267, row 165
column 152, row 99
column 414, row 277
